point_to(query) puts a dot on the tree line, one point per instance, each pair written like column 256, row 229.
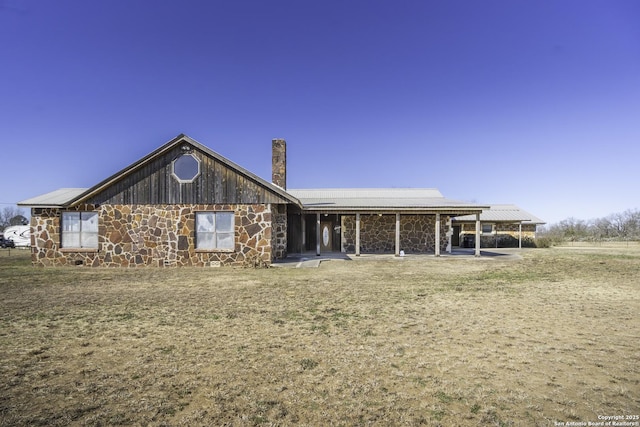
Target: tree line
column 622, row 226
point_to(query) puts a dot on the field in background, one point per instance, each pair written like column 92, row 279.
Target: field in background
column 631, row 245
column 552, row 337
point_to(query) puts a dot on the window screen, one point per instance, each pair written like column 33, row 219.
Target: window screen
column 215, row 230
column 80, row 230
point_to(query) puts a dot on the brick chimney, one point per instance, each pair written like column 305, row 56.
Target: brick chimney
column 279, row 162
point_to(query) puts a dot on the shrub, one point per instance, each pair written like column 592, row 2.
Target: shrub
column 544, row 242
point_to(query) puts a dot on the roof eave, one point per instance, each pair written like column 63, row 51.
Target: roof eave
column 461, row 210
column 41, row 206
column 59, row 198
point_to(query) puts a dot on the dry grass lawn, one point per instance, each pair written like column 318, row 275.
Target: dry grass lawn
column 551, row 338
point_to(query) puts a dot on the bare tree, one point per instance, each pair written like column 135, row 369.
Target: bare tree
column 619, row 224
column 632, row 224
column 602, row 229
column 11, row 215
column 574, row 229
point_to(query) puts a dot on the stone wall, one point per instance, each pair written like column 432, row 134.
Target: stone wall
column 528, row 230
column 418, row 233
column 153, row 235
column 504, row 235
column 378, row 233
column 279, row 231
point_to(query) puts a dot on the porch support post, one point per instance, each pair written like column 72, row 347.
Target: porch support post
column 437, row 234
column 477, row 234
column 304, row 234
column 318, row 234
column 520, row 235
column 398, row 234
column 357, row 234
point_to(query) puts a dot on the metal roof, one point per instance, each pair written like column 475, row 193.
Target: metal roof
column 322, row 199
column 363, row 199
column 54, row 199
column 503, row 213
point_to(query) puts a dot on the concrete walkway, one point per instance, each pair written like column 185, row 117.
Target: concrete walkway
column 311, row 260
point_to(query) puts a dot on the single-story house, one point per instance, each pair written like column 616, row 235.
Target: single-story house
column 186, row 205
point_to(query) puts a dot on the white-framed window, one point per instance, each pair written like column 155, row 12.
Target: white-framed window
column 79, row 230
column 186, row 168
column 215, row 230
column 487, row 228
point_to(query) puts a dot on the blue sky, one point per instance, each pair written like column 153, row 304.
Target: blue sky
column 535, row 103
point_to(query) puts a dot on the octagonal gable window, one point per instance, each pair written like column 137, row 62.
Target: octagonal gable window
column 186, row 168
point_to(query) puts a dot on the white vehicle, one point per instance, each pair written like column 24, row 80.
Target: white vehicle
column 20, row 234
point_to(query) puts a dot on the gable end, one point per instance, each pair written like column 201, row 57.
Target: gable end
column 152, row 180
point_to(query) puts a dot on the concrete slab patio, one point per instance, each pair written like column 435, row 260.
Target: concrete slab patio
column 311, row 260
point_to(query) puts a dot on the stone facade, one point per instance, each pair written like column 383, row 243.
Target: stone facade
column 503, row 235
column 528, row 230
column 154, row 235
column 511, row 229
column 279, row 231
column 378, row 233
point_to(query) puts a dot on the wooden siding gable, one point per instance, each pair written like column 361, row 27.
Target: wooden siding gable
column 151, row 181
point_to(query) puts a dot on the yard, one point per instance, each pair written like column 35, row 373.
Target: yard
column 551, row 338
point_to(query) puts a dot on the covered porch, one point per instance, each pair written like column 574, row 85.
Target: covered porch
column 499, row 226
column 375, row 221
